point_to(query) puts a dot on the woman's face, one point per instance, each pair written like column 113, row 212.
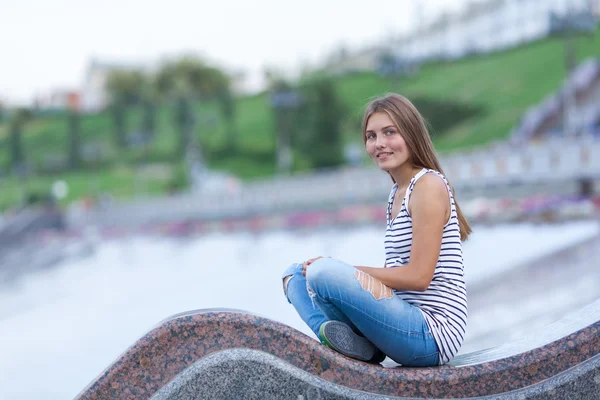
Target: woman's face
column 385, row 145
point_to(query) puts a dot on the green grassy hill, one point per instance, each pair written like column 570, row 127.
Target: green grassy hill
column 469, row 103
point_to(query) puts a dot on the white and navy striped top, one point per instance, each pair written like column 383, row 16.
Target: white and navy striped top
column 444, row 303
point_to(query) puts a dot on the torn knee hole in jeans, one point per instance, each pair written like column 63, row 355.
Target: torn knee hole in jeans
column 311, row 293
column 373, row 286
column 285, row 283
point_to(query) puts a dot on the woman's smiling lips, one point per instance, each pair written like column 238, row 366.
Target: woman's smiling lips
column 383, row 155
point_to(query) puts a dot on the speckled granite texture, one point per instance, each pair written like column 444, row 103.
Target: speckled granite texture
column 581, row 382
column 227, row 374
column 177, row 343
column 251, row 374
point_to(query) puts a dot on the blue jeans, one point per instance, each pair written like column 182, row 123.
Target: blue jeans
column 331, row 291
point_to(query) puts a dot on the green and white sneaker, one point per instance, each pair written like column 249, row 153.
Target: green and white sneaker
column 340, row 337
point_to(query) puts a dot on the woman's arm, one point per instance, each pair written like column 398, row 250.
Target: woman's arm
column 429, row 206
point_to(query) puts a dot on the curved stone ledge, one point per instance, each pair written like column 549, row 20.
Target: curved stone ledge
column 253, row 374
column 182, row 340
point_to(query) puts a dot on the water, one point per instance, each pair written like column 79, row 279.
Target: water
column 61, row 327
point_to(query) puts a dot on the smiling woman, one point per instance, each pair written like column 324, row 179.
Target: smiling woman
column 414, row 310
column 381, row 128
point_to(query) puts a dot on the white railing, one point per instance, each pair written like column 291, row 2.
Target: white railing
column 543, row 162
column 552, row 161
column 495, row 25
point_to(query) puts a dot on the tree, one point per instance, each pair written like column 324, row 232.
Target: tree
column 186, row 81
column 16, row 151
column 227, row 103
column 124, row 88
column 321, row 120
column 185, row 121
column 150, row 100
column 285, row 102
column 125, row 85
column 74, row 145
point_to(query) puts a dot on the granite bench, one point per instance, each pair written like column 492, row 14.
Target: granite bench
column 225, row 354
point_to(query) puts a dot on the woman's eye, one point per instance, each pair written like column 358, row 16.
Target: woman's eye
column 370, row 136
column 389, row 132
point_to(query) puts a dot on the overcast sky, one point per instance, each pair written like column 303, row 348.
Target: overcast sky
column 47, row 44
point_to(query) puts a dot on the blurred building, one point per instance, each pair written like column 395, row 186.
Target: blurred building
column 93, row 93
column 58, row 100
column 366, row 59
column 493, row 25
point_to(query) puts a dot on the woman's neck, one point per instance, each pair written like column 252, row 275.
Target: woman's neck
column 404, row 175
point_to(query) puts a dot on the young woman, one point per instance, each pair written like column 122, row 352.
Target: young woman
column 414, row 310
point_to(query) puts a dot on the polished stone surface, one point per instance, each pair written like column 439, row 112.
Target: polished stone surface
column 179, row 342
column 257, row 375
column 251, row 374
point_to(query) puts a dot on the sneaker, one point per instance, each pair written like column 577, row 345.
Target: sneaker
column 340, row 337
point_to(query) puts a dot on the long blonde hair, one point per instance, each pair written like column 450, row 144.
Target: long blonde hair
column 413, row 128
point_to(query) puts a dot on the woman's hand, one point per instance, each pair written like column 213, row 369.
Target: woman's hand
column 307, row 263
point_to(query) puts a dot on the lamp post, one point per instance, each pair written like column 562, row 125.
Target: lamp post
column 569, row 25
column 284, row 102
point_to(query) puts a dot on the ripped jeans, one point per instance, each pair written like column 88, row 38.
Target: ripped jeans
column 334, row 290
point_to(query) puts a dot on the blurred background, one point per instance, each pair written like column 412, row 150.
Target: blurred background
column 158, row 158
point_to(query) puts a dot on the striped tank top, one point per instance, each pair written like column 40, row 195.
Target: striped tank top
column 444, row 303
